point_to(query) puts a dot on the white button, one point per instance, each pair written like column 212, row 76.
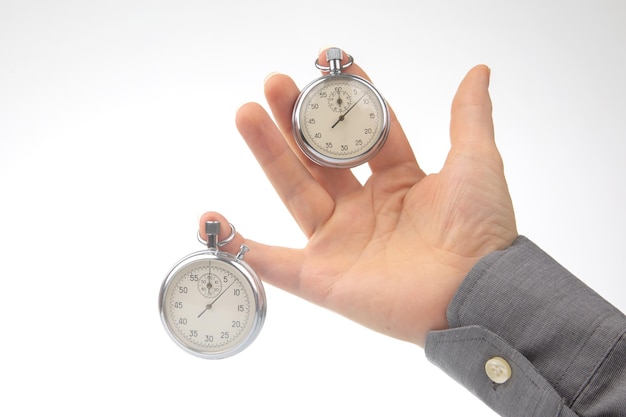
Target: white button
column 498, row 370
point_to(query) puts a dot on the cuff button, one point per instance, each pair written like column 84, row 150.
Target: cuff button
column 498, row 370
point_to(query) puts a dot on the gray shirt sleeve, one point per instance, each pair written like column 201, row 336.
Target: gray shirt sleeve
column 566, row 345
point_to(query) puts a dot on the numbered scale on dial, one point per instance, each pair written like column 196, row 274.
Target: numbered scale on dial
column 340, row 120
column 212, row 303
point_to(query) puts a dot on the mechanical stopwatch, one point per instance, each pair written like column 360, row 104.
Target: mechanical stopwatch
column 340, row 120
column 212, row 303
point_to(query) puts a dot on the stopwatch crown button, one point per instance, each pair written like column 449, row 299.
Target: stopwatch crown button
column 334, row 53
column 334, row 57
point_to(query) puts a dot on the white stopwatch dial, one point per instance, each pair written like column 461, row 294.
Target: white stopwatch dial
column 212, row 303
column 340, row 120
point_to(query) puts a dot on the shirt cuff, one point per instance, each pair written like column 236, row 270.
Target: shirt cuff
column 552, row 329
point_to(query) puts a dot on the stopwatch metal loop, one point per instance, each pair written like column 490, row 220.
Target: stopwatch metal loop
column 212, row 229
column 334, row 57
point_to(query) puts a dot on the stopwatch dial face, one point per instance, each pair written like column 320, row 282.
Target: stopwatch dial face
column 209, row 307
column 342, row 117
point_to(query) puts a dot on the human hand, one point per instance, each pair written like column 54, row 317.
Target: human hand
column 390, row 253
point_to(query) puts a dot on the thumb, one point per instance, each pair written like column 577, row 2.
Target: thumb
column 471, row 124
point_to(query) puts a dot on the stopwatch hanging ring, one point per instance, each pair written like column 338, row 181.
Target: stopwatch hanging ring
column 221, row 243
column 328, row 68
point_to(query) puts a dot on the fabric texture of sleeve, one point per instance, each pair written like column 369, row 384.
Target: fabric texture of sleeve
column 566, row 345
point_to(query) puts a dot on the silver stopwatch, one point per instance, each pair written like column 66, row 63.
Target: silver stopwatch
column 212, row 303
column 340, row 120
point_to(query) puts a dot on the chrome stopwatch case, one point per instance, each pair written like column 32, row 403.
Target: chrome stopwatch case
column 340, row 120
column 212, row 303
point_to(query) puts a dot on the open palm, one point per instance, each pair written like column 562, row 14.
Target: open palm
column 389, row 253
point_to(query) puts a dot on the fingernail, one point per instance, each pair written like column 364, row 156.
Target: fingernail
column 270, row 75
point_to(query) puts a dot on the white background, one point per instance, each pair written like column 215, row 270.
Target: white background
column 117, row 131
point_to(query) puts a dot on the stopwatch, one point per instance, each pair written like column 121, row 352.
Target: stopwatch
column 340, row 120
column 212, row 303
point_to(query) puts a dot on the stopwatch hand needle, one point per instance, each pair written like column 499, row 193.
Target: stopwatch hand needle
column 210, row 305
column 343, row 116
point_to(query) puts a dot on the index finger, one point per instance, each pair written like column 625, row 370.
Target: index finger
column 307, row 200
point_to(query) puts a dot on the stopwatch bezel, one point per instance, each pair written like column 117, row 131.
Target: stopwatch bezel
column 332, row 162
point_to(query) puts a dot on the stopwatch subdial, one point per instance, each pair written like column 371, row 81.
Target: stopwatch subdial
column 209, row 285
column 339, row 100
